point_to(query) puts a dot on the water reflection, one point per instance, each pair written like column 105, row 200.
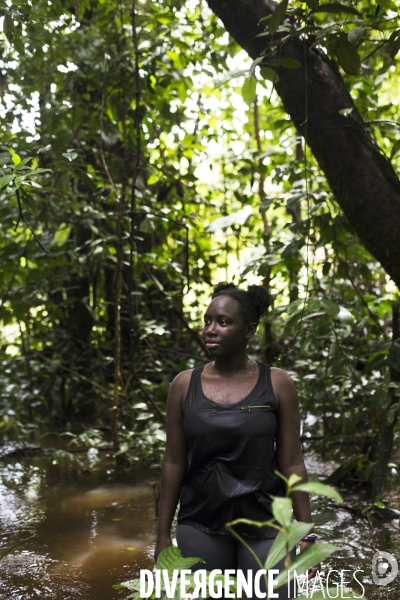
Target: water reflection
column 357, row 540
column 88, row 534
column 91, row 531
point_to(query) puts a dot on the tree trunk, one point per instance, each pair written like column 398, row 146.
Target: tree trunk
column 390, row 418
column 360, row 176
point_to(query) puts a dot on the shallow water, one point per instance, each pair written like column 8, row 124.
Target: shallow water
column 91, row 530
column 357, row 539
column 87, row 532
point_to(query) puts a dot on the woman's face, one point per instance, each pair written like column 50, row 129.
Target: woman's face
column 225, row 332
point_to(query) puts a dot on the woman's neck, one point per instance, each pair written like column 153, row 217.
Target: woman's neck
column 233, row 365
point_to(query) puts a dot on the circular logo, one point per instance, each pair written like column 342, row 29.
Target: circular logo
column 384, row 568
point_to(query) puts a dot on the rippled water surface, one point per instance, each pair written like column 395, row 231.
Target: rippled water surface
column 357, row 539
column 91, row 530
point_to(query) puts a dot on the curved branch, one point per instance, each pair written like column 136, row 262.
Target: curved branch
column 362, row 179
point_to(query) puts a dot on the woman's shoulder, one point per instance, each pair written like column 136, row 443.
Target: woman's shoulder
column 180, row 384
column 281, row 381
column 183, row 378
column 280, row 375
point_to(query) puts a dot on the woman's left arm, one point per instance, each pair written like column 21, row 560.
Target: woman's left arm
column 288, row 447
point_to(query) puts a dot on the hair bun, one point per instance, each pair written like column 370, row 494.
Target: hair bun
column 260, row 298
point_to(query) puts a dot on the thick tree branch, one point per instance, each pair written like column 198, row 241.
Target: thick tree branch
column 362, row 179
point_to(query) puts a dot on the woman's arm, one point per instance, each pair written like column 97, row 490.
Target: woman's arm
column 175, row 461
column 288, row 447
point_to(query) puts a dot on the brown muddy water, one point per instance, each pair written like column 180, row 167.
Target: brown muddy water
column 90, row 530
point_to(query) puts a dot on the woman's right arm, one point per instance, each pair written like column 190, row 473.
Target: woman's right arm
column 175, row 461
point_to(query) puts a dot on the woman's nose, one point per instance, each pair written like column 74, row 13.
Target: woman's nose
column 210, row 328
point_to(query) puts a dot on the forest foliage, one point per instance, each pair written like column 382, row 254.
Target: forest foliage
column 144, row 159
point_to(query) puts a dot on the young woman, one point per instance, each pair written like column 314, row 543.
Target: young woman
column 230, row 425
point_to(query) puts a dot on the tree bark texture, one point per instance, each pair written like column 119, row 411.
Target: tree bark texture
column 362, row 179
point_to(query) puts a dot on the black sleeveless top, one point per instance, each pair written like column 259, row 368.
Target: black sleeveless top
column 231, row 460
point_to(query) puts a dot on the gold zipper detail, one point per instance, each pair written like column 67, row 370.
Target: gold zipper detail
column 255, row 406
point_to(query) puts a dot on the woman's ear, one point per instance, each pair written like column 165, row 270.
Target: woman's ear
column 251, row 329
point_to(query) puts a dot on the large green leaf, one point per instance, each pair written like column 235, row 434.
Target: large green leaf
column 313, row 4
column 318, row 489
column 270, row 75
column 348, row 56
column 337, row 7
column 356, row 35
column 310, row 557
column 62, row 234
column 285, row 542
column 171, row 559
column 277, row 16
column 395, row 149
column 331, row 308
column 237, row 218
column 5, row 180
column 249, row 90
column 132, row 584
column 282, row 509
column 345, row 468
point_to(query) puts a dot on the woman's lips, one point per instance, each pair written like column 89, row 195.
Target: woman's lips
column 210, row 344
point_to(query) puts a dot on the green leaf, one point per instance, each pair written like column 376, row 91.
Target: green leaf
column 70, row 155
column 344, row 468
column 153, row 179
column 326, row 267
column 5, row 158
column 16, row 159
column 319, row 489
column 62, row 234
column 249, row 90
column 5, row 180
column 171, row 559
column 293, row 479
column 326, row 31
column 269, row 74
column 132, row 584
column 292, row 323
column 237, row 219
column 313, row 4
column 286, row 63
column 8, row 27
column 330, row 307
column 282, row 509
column 345, row 316
column 337, row 7
column 307, row 559
column 285, row 542
column 20, row 165
column 356, row 35
column 277, row 17
column 295, row 307
column 348, row 56
column 395, row 149
column 148, row 225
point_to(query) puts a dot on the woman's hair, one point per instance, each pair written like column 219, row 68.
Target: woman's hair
column 253, row 303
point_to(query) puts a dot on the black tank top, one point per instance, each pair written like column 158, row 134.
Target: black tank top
column 231, row 460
